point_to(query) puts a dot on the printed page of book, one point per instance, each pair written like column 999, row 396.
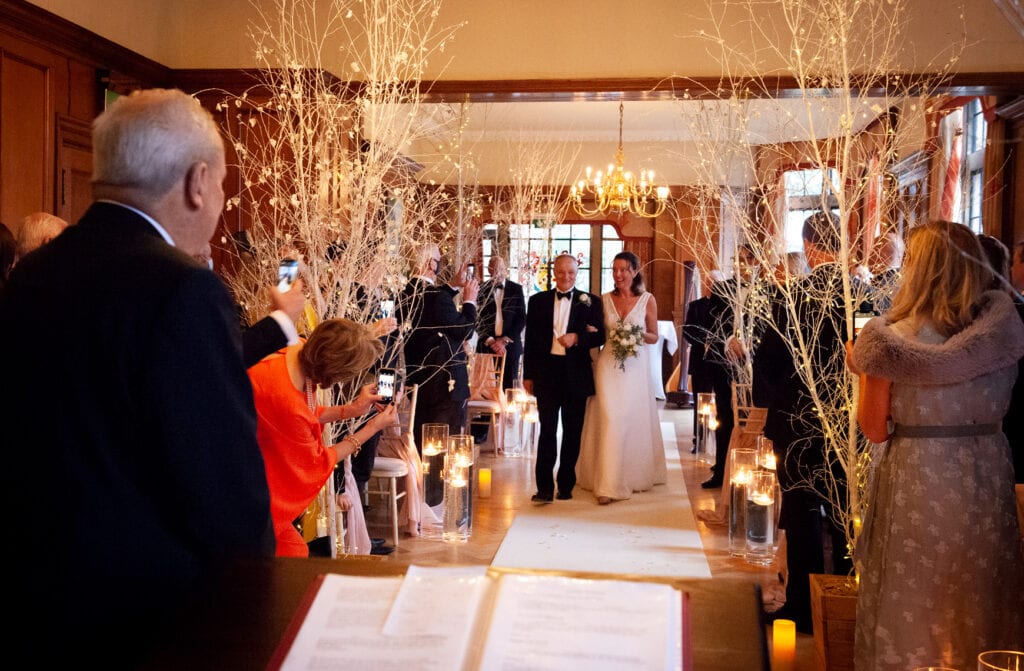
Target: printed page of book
column 551, row 622
column 344, row 629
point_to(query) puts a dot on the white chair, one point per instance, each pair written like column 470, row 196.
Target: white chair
column 486, row 405
column 387, row 470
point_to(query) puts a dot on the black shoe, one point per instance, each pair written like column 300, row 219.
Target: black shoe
column 382, row 550
column 542, row 498
column 693, row 450
column 713, row 483
column 564, row 496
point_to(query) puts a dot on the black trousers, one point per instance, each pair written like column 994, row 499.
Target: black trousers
column 554, row 398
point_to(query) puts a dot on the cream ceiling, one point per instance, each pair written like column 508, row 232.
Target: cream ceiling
column 571, row 40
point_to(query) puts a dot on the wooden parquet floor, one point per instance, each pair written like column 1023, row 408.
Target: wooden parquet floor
column 512, row 486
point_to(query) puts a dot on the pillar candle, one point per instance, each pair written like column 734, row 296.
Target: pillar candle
column 783, row 645
column 484, row 481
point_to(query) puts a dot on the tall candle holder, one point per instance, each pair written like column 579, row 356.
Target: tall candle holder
column 530, row 425
column 514, row 398
column 765, row 453
column 742, row 464
column 435, row 446
column 762, row 506
column 458, row 489
column 707, row 422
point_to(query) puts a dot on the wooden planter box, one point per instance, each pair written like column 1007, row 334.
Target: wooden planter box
column 834, row 612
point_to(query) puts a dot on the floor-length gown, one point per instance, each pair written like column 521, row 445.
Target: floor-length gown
column 941, row 578
column 621, row 450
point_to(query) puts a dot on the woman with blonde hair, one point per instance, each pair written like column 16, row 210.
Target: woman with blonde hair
column 939, row 555
column 289, row 420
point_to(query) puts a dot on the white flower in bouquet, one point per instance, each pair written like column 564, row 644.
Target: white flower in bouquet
column 625, row 340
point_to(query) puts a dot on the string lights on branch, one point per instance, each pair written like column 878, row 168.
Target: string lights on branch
column 619, row 190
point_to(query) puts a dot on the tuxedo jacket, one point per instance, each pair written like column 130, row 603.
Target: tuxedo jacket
column 540, row 316
column 130, row 428
column 435, row 330
column 821, row 321
column 513, row 313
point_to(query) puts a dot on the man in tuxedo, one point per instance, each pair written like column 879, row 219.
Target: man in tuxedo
column 791, row 421
column 434, row 331
column 699, row 331
column 144, row 467
column 501, row 319
column 562, row 325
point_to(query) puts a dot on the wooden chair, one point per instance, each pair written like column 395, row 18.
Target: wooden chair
column 486, row 405
column 387, row 470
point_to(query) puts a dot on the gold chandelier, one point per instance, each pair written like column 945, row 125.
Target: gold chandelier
column 619, row 190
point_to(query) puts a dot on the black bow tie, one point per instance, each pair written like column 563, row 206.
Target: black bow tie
column 567, row 295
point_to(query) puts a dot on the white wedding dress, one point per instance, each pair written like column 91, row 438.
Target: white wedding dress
column 621, row 450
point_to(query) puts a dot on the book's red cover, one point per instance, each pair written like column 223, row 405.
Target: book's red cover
column 277, row 659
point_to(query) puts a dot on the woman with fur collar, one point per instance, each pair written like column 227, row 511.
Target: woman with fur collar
column 940, row 554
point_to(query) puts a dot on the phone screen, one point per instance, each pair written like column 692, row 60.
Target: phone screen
column 859, row 320
column 387, row 308
column 470, row 271
column 287, row 271
column 386, row 385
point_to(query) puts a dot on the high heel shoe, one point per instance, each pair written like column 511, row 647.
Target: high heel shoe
column 604, row 500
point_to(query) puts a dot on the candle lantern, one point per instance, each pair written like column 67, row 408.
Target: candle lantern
column 742, row 464
column 484, row 482
column 458, row 488
column 761, row 515
column 1001, row 660
column 435, row 446
column 530, row 425
column 513, row 439
column 707, row 422
column 765, row 453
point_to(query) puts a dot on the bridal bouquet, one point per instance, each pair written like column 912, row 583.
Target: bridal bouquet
column 626, row 340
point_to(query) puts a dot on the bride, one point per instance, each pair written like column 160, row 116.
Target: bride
column 621, row 450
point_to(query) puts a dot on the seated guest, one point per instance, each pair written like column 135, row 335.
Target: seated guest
column 289, row 419
column 998, row 258
column 36, row 230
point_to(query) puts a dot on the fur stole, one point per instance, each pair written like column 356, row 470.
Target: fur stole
column 994, row 340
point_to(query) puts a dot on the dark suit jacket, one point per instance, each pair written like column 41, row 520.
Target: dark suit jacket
column 130, row 434
column 434, row 330
column 1013, row 423
column 790, row 422
column 513, row 313
column 540, row 317
column 262, row 339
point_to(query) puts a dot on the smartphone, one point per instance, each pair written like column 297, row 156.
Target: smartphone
column 470, row 271
column 387, row 308
column 859, row 320
column 287, row 272
column 386, row 385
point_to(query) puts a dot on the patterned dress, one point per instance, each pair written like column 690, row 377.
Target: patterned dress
column 941, row 568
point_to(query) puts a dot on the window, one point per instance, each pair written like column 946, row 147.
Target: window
column 610, row 246
column 803, row 198
column 972, row 177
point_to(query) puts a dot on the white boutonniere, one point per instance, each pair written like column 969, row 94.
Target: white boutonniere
column 584, row 298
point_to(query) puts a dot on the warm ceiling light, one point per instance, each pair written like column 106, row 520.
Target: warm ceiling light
column 619, row 190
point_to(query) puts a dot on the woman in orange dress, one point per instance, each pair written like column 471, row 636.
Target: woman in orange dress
column 289, row 420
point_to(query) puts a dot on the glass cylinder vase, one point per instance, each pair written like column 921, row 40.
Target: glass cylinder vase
column 435, row 446
column 1001, row 660
column 707, row 422
column 742, row 464
column 513, row 446
column 762, row 504
column 458, row 489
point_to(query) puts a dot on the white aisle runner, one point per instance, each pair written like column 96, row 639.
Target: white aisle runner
column 653, row 534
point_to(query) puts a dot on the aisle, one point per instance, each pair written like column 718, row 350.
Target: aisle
column 652, row 534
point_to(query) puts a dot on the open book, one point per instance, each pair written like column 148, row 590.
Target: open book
column 461, row 618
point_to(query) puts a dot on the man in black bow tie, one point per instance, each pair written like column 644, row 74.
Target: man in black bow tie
column 562, row 325
column 501, row 318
